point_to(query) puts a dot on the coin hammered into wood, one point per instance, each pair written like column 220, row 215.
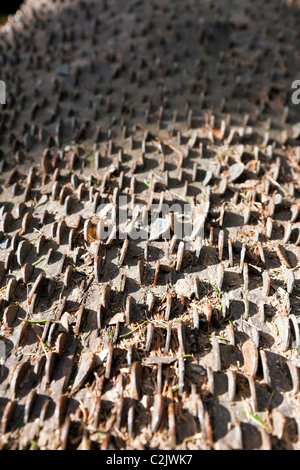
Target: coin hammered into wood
column 149, row 225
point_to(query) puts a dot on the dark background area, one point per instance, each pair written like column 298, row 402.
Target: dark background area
column 9, row 7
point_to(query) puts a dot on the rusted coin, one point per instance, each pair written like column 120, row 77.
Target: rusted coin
column 250, row 356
